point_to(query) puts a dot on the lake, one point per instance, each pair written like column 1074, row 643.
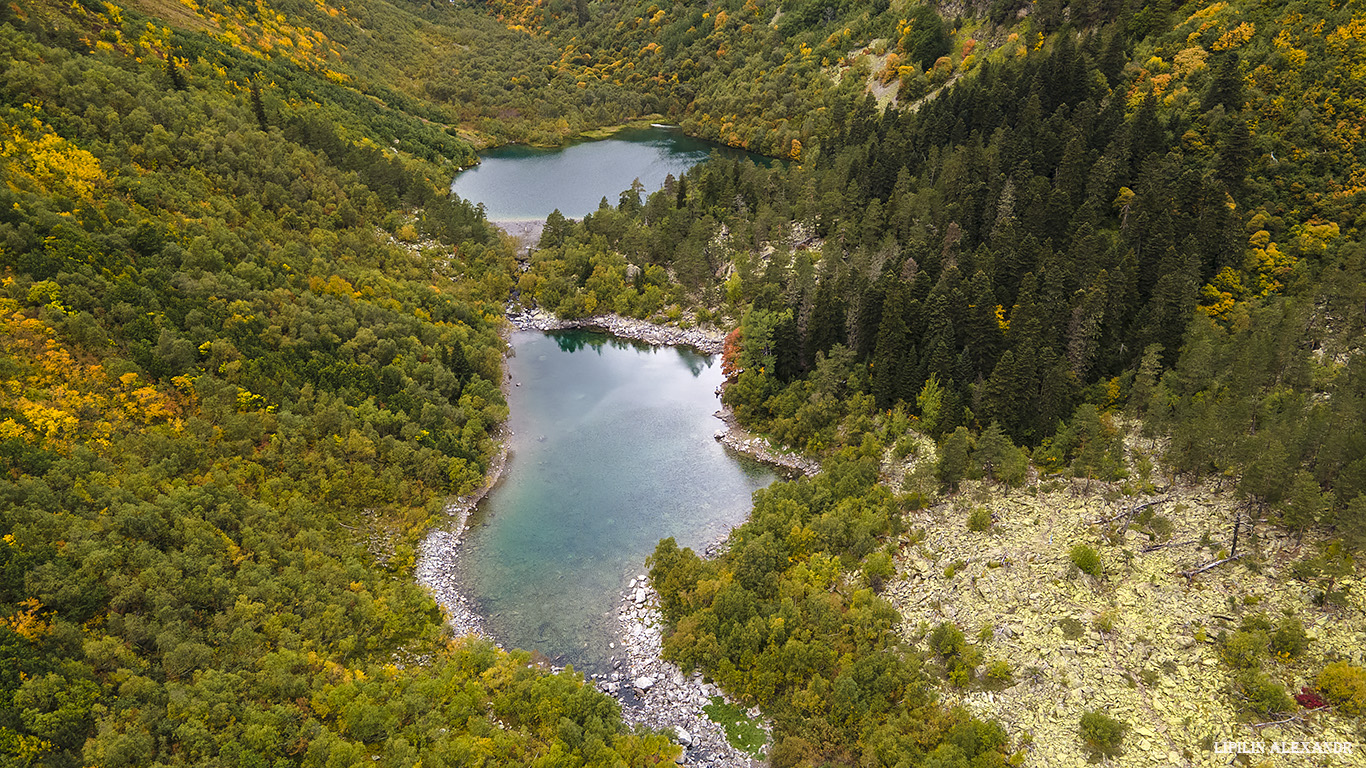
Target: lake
column 612, row 451
column 520, row 183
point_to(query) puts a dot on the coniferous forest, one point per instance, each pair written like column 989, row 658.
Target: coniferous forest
column 251, row 345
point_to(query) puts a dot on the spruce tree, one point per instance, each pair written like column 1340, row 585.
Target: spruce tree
column 892, row 350
column 953, row 458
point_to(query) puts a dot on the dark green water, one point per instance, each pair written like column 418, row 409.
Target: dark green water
column 612, row 452
column 519, row 183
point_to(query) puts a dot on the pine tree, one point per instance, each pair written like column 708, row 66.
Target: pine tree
column 258, row 107
column 827, row 319
column 994, row 452
column 983, row 326
column 1146, row 132
column 1305, row 504
column 1083, row 331
column 1141, row 405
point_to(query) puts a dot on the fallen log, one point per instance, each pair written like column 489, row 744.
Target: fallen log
column 1155, row 547
column 1132, row 511
column 1191, row 574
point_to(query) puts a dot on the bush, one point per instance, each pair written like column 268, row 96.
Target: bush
column 960, row 658
column 1071, row 628
column 1265, row 695
column 1086, row 559
column 999, row 672
column 1345, row 685
column 948, row 640
column 1244, row 649
column 979, row 520
column 1290, row 639
column 1101, row 733
column 877, row 569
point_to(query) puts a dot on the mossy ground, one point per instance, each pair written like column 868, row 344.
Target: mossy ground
column 741, row 732
column 1158, row 668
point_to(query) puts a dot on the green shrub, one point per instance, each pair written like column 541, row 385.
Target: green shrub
column 1264, row 695
column 1244, row 649
column 960, row 658
column 1345, row 685
column 1086, row 559
column 1000, row 672
column 947, row 639
column 1101, row 733
column 1290, row 639
column 877, row 569
column 979, row 520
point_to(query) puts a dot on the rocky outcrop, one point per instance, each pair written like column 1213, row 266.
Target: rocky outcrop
column 1137, row 644
column 707, row 340
column 656, row 693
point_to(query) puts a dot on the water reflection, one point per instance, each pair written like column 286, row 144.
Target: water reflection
column 518, row 183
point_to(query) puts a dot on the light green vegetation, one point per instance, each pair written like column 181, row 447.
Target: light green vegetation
column 741, row 731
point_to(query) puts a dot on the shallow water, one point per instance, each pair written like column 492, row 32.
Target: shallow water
column 519, row 183
column 612, row 451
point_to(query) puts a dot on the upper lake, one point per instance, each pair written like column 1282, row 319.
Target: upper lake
column 520, row 183
column 612, row 450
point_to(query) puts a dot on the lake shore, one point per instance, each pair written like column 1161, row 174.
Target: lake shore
column 757, row 447
column 655, row 693
column 652, row 691
column 708, row 341
column 440, row 548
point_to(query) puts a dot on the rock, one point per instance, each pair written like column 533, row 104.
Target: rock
column 643, row 683
column 684, row 737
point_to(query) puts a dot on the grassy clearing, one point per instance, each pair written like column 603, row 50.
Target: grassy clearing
column 741, row 732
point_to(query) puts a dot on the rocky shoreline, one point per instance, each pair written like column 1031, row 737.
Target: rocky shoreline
column 440, row 548
column 707, row 341
column 734, row 437
column 655, row 693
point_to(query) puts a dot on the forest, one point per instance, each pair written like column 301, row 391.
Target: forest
column 251, row 346
column 247, row 355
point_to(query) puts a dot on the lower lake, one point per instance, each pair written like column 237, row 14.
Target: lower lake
column 520, row 183
column 612, row 451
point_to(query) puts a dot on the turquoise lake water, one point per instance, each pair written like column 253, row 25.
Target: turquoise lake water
column 612, row 451
column 519, row 183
